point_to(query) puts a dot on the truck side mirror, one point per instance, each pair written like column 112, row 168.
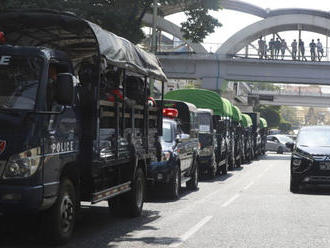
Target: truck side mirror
column 178, row 139
column 64, row 89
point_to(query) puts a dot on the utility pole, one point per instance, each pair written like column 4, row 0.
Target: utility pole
column 154, row 39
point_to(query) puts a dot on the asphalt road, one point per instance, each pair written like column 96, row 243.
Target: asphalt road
column 251, row 207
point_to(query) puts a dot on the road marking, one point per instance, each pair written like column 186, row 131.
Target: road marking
column 191, row 231
column 249, row 185
column 227, row 203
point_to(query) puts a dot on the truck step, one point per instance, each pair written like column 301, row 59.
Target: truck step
column 111, row 192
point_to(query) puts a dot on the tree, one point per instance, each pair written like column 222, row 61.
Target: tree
column 124, row 17
column 271, row 114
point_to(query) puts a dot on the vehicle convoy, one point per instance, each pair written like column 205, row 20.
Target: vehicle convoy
column 255, row 134
column 180, row 149
column 247, row 138
column 65, row 140
column 214, row 128
column 279, row 143
column 263, row 134
column 310, row 160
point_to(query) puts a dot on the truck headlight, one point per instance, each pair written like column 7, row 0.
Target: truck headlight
column 23, row 165
column 166, row 156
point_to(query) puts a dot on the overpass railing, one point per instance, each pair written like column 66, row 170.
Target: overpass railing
column 298, row 92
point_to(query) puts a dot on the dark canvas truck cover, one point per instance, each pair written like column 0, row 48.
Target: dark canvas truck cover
column 78, row 38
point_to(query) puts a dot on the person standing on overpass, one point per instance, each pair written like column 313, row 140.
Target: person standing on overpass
column 319, row 49
column 283, row 48
column 261, row 48
column 277, row 47
column 312, row 46
column 302, row 49
column 271, row 47
column 294, row 49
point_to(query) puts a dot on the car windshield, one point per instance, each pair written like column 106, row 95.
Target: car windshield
column 167, row 134
column 204, row 122
column 284, row 139
column 19, row 80
column 314, row 137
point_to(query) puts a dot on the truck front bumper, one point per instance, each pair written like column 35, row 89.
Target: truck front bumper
column 161, row 172
column 20, row 199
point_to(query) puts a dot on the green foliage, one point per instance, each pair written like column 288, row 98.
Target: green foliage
column 264, row 86
column 271, row 114
column 124, row 17
column 285, row 127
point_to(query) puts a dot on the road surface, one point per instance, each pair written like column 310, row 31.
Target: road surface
column 250, row 207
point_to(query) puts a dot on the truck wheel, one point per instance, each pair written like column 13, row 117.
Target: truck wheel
column 224, row 168
column 213, row 169
column 59, row 220
column 294, row 185
column 192, row 184
column 175, row 184
column 135, row 197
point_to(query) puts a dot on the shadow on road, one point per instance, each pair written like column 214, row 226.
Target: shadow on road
column 95, row 227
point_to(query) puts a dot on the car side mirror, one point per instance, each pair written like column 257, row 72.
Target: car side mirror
column 64, row 89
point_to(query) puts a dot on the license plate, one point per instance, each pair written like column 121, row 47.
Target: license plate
column 325, row 166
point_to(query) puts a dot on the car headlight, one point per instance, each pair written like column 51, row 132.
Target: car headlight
column 23, row 165
column 296, row 162
column 166, row 156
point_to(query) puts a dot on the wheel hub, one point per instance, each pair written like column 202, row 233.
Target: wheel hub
column 67, row 211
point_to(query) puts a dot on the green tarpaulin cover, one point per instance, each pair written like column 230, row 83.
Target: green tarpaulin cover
column 237, row 114
column 246, row 120
column 263, row 123
column 203, row 99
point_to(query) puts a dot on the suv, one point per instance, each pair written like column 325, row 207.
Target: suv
column 310, row 160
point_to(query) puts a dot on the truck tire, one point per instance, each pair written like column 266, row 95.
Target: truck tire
column 213, row 169
column 175, row 184
column 130, row 204
column 224, row 168
column 59, row 220
column 192, row 184
column 135, row 198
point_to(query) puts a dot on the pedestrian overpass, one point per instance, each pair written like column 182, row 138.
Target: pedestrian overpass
column 213, row 69
column 226, row 64
column 287, row 98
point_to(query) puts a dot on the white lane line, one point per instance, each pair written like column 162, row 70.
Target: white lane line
column 227, row 203
column 249, row 185
column 191, row 231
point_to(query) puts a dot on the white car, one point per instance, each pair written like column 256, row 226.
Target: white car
column 279, row 143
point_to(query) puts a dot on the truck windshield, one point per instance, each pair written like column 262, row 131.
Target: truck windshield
column 19, row 80
column 167, row 133
column 205, row 120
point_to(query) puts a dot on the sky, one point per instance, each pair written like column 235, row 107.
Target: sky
column 234, row 21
